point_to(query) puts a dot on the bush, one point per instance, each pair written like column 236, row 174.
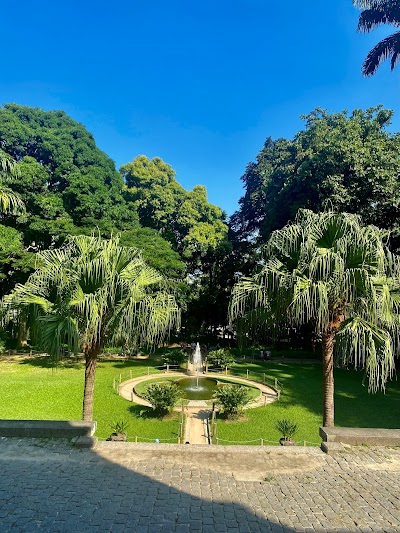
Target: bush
column 220, row 357
column 162, row 396
column 232, row 399
column 175, row 357
column 287, row 428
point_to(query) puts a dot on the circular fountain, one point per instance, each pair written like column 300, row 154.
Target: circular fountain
column 195, row 388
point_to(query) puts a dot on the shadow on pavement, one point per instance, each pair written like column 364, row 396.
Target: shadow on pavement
column 48, row 486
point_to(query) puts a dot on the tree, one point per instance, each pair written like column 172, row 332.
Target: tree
column 91, row 292
column 376, row 13
column 329, row 270
column 186, row 219
column 347, row 163
column 68, row 185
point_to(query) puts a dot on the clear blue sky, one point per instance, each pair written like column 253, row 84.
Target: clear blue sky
column 200, row 84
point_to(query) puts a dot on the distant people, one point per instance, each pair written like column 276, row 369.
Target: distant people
column 267, row 354
column 262, row 354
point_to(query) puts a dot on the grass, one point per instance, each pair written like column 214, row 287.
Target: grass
column 301, row 401
column 32, row 389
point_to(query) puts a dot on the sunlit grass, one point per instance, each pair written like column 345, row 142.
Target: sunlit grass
column 301, row 401
column 32, row 389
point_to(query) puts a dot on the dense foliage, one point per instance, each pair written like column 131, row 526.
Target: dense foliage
column 345, row 163
column 232, row 399
column 162, row 396
column 220, row 358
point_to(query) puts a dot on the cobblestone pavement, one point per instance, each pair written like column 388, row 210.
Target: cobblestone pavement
column 55, row 488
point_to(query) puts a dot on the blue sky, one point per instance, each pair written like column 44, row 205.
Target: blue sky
column 200, row 84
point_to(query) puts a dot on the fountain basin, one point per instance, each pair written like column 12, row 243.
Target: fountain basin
column 203, row 390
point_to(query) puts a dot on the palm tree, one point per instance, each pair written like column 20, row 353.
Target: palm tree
column 330, row 271
column 374, row 14
column 10, row 202
column 91, row 292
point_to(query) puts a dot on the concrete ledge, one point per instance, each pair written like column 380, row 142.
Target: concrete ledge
column 361, row 436
column 84, row 442
column 46, row 428
column 330, row 448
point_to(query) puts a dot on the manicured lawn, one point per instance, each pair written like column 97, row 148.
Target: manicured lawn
column 301, row 401
column 32, row 389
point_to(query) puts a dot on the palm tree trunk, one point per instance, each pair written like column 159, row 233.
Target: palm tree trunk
column 327, row 376
column 90, row 372
column 328, row 339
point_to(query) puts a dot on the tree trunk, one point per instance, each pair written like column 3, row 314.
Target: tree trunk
column 90, row 371
column 327, row 376
column 328, row 339
column 22, row 332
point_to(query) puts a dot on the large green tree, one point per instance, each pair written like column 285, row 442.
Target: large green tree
column 330, row 271
column 196, row 229
column 345, row 162
column 377, row 13
column 91, row 292
column 67, row 184
column 184, row 218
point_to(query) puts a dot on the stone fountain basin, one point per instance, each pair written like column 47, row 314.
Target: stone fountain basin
column 201, row 388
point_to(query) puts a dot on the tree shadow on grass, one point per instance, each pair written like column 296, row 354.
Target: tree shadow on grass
column 45, row 361
column 354, row 406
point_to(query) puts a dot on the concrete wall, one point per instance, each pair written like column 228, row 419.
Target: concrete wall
column 46, row 428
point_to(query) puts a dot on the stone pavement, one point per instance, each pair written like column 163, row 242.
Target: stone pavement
column 117, row 487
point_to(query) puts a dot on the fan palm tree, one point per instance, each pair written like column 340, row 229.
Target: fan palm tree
column 330, row 271
column 10, row 202
column 91, row 292
column 374, row 14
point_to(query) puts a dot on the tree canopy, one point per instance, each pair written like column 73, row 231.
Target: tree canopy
column 347, row 162
column 66, row 183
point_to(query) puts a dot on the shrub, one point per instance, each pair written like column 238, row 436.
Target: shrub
column 162, row 396
column 232, row 399
column 220, row 357
column 175, row 357
column 119, row 427
column 287, row 428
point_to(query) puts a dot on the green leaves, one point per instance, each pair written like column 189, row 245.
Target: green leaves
column 343, row 268
column 93, row 290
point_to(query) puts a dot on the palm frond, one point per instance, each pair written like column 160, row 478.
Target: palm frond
column 388, row 47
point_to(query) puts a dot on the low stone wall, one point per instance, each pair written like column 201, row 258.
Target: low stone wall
column 361, row 436
column 47, row 428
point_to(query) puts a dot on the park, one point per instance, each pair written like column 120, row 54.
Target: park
column 213, row 346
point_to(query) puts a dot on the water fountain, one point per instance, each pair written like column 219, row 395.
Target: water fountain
column 197, row 387
column 197, row 361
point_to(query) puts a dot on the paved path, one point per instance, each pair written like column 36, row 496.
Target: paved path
column 127, row 488
column 196, row 431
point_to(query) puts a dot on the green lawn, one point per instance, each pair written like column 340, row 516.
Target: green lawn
column 32, row 389
column 301, row 401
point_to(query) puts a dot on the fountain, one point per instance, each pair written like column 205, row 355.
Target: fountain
column 197, row 387
column 197, row 361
